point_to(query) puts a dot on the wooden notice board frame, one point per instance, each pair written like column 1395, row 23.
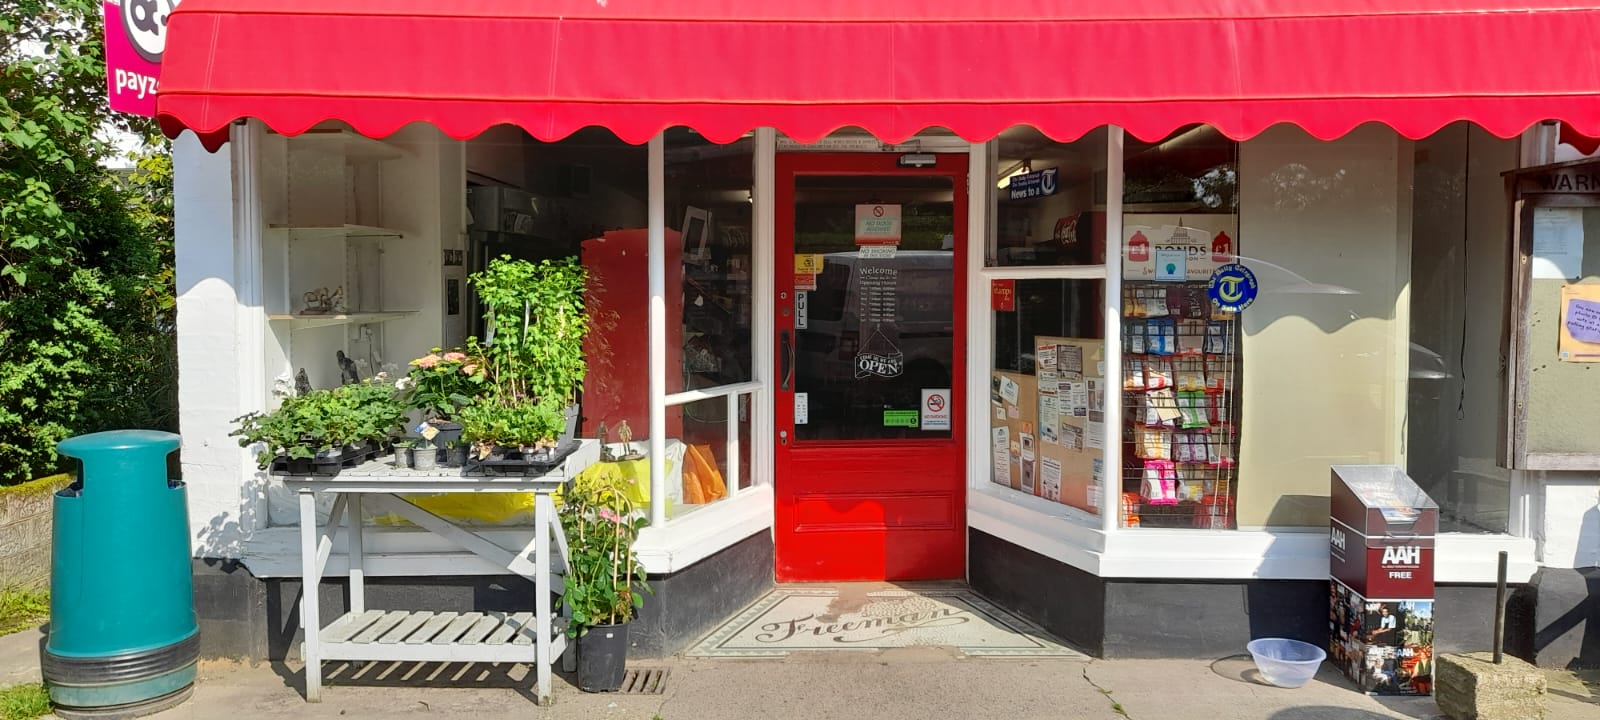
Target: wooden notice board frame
column 1549, row 404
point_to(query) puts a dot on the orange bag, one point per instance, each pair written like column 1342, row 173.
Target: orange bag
column 702, row 481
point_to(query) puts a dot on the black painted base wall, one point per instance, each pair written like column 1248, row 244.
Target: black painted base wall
column 1178, row 618
column 1563, row 611
column 245, row 618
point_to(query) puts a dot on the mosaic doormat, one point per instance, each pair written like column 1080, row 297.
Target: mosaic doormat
column 828, row 618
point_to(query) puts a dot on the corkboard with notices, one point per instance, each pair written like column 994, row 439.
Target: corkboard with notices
column 1071, row 425
column 1014, row 443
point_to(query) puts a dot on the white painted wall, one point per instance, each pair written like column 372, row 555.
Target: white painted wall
column 1569, row 529
column 213, row 355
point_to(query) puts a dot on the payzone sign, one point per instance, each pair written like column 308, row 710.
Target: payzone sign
column 136, row 37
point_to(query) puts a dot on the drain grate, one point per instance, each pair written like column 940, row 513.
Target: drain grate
column 644, row 681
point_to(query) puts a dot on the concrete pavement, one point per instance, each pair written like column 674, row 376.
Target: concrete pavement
column 909, row 683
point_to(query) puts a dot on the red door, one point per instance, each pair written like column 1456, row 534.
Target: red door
column 870, row 318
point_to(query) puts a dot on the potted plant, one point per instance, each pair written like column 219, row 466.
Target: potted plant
column 402, row 453
column 533, row 355
column 424, row 454
column 317, row 432
column 605, row 582
column 441, row 383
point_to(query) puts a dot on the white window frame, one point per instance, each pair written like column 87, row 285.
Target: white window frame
column 1097, row 543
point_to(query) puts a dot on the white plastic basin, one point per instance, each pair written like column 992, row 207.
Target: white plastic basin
column 1284, row 662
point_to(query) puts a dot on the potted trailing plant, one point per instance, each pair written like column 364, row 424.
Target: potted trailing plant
column 441, row 383
column 533, row 355
column 605, row 582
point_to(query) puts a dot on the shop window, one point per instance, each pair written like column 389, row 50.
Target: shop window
column 1180, row 349
column 1047, row 390
column 710, row 271
column 1325, row 230
column 1458, row 293
column 709, row 202
column 1049, row 200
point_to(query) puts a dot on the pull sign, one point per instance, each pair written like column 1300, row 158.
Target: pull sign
column 800, row 314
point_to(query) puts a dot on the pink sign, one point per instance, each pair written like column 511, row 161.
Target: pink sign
column 136, row 35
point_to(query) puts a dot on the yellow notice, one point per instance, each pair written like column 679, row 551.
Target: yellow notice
column 807, row 263
column 1580, row 324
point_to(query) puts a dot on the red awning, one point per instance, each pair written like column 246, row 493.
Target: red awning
column 893, row 67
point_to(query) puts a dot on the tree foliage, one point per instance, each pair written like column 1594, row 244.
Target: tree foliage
column 86, row 298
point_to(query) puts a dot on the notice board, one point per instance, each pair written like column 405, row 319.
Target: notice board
column 1557, row 383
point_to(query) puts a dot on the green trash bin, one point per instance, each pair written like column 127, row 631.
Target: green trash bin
column 123, row 638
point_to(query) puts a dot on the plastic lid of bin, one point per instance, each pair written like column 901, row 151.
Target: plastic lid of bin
column 116, row 441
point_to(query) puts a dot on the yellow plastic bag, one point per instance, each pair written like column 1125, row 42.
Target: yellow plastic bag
column 471, row 509
column 633, row 474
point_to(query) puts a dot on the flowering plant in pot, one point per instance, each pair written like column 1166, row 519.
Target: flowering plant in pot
column 605, row 582
column 442, row 382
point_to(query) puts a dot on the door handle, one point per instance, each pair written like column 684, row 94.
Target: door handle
column 786, row 358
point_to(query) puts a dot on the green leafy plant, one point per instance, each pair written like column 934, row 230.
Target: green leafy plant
column 441, row 383
column 525, row 425
column 321, row 420
column 605, row 581
column 533, row 359
column 86, row 291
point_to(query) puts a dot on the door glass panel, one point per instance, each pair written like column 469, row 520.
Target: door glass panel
column 878, row 329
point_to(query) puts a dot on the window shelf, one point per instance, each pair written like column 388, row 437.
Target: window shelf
column 346, row 230
column 306, row 322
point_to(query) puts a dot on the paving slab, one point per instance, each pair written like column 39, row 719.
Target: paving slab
column 19, row 656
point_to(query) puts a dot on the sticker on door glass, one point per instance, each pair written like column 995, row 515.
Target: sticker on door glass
column 802, row 408
column 935, row 409
column 901, row 418
column 877, row 304
column 802, row 303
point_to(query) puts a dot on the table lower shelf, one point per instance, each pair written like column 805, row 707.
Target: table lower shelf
column 436, row 637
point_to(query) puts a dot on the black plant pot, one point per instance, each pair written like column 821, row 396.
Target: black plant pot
column 449, row 432
column 602, row 658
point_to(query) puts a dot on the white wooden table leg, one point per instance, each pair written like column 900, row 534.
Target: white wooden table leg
column 543, row 515
column 358, row 568
column 310, row 577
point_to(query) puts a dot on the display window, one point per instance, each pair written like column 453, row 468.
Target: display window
column 1049, row 200
column 1048, row 379
column 709, row 195
column 1459, row 288
column 1048, row 389
column 1181, row 296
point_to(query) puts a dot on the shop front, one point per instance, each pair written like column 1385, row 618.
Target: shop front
column 1088, row 341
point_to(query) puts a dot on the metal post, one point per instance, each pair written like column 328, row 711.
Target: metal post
column 1500, row 608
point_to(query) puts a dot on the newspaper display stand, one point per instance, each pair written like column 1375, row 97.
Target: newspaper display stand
column 1381, row 544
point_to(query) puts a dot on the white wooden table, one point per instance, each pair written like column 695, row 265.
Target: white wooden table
column 398, row 635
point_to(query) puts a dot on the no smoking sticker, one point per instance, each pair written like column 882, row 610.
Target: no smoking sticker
column 935, row 408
